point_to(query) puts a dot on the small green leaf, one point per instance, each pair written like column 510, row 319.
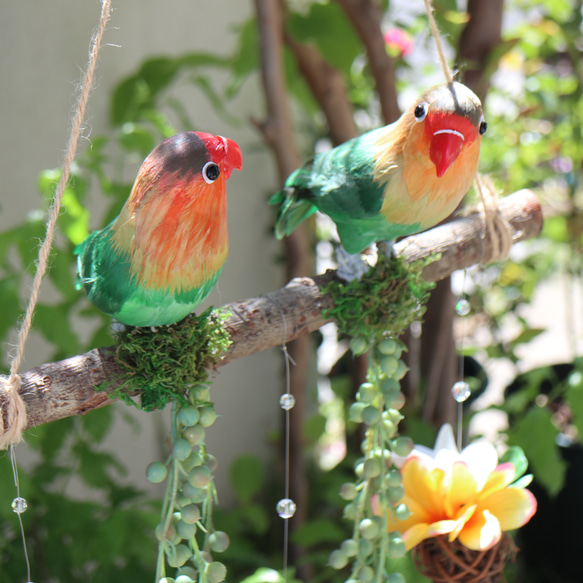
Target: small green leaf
column 48, row 439
column 257, row 517
column 10, row 302
column 314, row 428
column 556, row 229
column 574, row 396
column 138, row 93
column 94, row 466
column 98, row 422
column 136, row 138
column 53, row 323
column 522, row 482
column 516, row 457
column 319, row 530
column 203, row 82
column 526, row 336
column 536, row 434
column 323, row 25
column 245, row 58
column 246, row 476
column 62, row 274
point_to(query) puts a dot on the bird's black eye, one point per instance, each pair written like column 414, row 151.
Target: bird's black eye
column 483, row 127
column 421, row 111
column 210, row 172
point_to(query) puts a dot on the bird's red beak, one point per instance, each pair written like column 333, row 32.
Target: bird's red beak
column 446, row 146
column 233, row 157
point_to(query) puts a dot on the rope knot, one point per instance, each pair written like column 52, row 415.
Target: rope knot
column 13, row 416
column 497, row 230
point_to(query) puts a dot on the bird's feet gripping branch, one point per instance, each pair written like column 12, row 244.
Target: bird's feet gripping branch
column 393, row 181
column 163, row 254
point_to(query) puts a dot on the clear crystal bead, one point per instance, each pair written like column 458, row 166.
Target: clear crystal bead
column 461, row 391
column 462, row 308
column 19, row 505
column 286, row 508
column 287, row 401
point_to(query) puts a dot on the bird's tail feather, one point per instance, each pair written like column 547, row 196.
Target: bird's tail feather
column 292, row 211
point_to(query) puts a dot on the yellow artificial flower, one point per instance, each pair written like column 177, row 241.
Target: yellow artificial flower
column 464, row 495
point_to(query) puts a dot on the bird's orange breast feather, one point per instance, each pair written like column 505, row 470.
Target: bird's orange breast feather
column 178, row 239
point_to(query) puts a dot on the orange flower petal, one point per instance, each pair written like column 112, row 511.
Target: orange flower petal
column 481, row 532
column 461, row 521
column 498, row 479
column 424, row 487
column 512, row 507
column 414, row 535
column 461, row 489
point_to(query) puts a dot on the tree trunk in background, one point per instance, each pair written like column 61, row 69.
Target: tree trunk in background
column 278, row 132
column 366, row 17
column 481, row 35
column 438, row 362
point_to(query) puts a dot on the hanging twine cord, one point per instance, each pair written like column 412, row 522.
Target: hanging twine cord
column 497, row 230
column 435, row 32
column 13, row 418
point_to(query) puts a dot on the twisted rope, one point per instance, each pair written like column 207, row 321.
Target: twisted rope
column 435, row 32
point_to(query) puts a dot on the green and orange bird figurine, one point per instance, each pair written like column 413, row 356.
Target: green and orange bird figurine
column 163, row 254
column 394, row 181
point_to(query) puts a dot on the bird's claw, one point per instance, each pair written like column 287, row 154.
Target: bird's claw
column 387, row 248
column 350, row 266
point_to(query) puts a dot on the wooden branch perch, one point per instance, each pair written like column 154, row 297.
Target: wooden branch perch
column 61, row 389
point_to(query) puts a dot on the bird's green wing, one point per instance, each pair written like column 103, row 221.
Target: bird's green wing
column 103, row 272
column 105, row 275
column 341, row 184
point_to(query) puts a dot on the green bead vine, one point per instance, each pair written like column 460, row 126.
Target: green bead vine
column 186, row 533
column 375, row 311
column 377, row 488
column 171, row 364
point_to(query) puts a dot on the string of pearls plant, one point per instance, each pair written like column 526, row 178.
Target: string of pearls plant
column 170, row 364
column 375, row 310
column 377, row 485
column 185, row 532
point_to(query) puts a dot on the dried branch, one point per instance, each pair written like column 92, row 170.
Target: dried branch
column 278, row 132
column 328, row 87
column 277, row 129
column 65, row 388
column 366, row 17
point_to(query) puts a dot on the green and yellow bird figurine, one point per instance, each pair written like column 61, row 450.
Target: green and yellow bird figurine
column 393, row 181
column 160, row 258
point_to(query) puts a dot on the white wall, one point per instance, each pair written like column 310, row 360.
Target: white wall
column 43, row 50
